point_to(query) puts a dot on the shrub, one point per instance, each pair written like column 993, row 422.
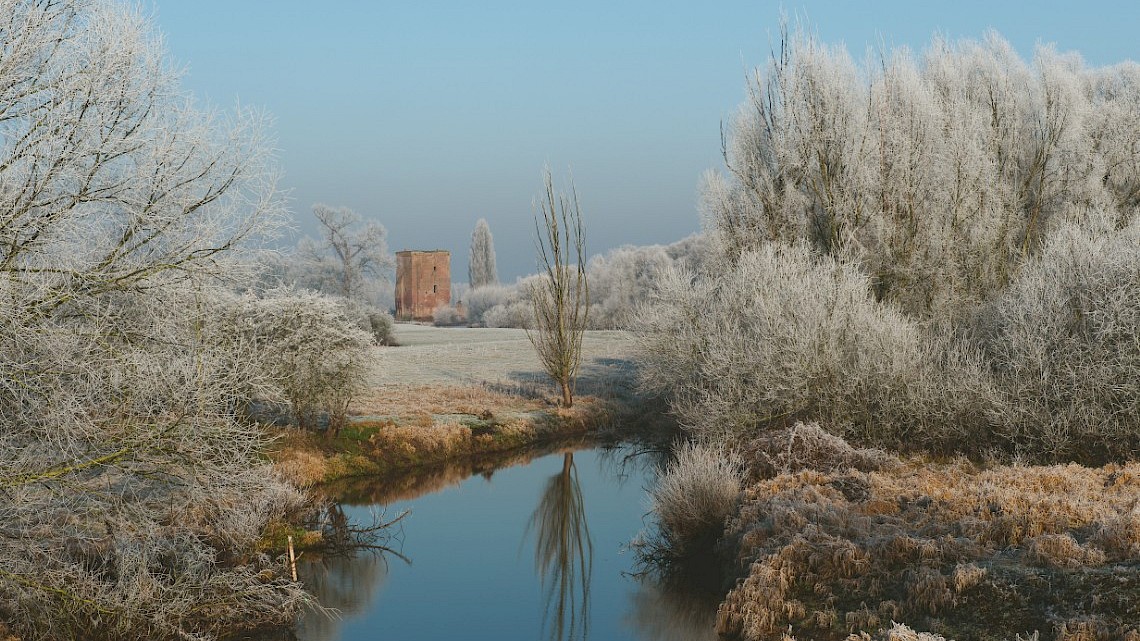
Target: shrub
column 503, row 305
column 808, row 446
column 482, row 299
column 381, row 324
column 1062, row 342
column 447, row 316
column 785, row 334
column 311, row 346
column 625, row 277
column 620, row 281
column 693, row 497
column 898, row 632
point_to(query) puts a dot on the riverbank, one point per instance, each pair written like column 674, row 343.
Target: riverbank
column 828, row 540
column 430, row 426
column 449, row 393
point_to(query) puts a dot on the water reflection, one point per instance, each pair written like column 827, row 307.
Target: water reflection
column 563, row 554
column 661, row 612
column 471, row 580
column 346, row 584
column 414, row 483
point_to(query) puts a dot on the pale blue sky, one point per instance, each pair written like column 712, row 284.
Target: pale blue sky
column 429, row 115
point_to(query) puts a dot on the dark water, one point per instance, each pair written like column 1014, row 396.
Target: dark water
column 538, row 550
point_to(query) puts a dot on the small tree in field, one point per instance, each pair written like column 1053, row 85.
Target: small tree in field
column 481, row 266
column 561, row 300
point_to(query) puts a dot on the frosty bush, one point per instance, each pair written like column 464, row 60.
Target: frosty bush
column 447, row 316
column 312, row 348
column 1063, row 344
column 931, row 251
column 625, row 277
column 620, row 280
column 134, row 495
column 502, row 305
column 481, row 299
column 785, row 334
column 381, row 325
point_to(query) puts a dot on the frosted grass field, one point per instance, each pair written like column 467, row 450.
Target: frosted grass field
column 496, row 357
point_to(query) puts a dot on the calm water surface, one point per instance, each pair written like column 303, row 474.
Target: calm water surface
column 534, row 551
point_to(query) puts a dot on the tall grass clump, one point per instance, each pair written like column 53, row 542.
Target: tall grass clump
column 692, row 499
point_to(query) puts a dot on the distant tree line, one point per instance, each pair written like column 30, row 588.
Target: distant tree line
column 620, row 280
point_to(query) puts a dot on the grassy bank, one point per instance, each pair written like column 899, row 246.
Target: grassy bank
column 829, row 541
column 428, row 426
column 456, row 393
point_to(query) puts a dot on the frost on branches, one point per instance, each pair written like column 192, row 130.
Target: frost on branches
column 132, row 495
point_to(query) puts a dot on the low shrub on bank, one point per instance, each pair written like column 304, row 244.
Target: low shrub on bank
column 1062, row 344
column 808, row 446
column 784, row 334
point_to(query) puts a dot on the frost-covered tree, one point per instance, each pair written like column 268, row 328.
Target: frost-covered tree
column 481, row 269
column 351, row 259
column 627, row 277
column 941, row 174
column 936, row 251
column 133, row 493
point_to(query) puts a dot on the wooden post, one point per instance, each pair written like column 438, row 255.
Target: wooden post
column 292, row 558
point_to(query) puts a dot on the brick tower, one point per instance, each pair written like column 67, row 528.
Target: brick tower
column 423, row 283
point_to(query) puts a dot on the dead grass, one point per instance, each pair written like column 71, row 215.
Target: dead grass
column 948, row 547
column 809, row 446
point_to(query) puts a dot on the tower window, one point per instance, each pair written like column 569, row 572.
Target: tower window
column 433, row 288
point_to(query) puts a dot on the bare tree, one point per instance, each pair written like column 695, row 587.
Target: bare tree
column 561, row 299
column 351, row 255
column 481, row 266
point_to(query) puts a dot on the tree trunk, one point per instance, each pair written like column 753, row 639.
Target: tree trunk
column 567, row 395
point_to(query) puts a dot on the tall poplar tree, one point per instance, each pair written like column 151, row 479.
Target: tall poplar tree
column 481, row 269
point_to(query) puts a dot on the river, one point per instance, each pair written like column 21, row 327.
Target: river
column 535, row 550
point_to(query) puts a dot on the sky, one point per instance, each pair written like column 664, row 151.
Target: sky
column 428, row 115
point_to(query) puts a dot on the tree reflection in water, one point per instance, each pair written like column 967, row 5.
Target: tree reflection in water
column 344, row 582
column 563, row 554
